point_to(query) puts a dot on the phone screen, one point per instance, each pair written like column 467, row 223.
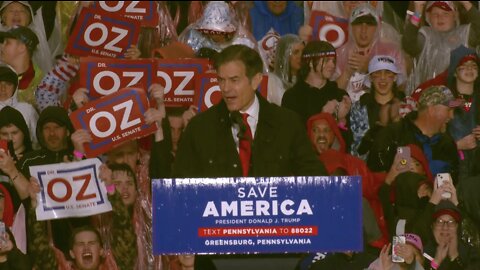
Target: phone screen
column 395, row 241
column 405, row 159
column 441, row 178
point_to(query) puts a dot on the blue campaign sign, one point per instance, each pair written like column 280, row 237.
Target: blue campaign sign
column 257, row 215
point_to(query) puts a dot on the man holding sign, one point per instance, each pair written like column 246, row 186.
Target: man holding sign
column 53, row 131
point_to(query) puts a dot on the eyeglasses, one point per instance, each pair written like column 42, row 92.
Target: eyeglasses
column 449, row 223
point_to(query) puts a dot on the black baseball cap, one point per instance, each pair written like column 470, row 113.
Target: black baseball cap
column 7, row 74
column 22, row 33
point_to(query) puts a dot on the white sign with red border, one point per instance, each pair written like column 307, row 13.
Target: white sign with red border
column 70, row 190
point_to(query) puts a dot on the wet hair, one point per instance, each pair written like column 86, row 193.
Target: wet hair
column 85, row 228
column 310, row 56
column 123, row 167
column 207, row 53
column 248, row 56
column 176, row 111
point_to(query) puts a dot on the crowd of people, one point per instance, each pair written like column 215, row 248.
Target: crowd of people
column 405, row 79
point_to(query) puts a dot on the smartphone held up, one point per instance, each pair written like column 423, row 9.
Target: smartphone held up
column 404, row 157
column 395, row 242
column 440, row 180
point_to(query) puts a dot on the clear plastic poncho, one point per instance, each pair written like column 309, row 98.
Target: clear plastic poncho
column 217, row 18
column 282, row 59
column 378, row 46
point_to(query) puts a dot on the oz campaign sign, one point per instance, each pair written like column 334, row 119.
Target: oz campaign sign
column 102, row 35
column 146, row 12
column 264, row 215
column 113, row 120
column 329, row 28
column 70, row 190
column 178, row 77
column 103, row 76
column 208, row 91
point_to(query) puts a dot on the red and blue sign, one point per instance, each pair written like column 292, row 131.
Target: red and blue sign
column 146, row 12
column 257, row 215
column 113, row 119
column 329, row 28
column 178, row 77
column 102, row 35
column 104, row 76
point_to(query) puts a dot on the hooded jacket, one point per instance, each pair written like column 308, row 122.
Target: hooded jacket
column 337, row 158
column 464, row 121
column 286, row 23
column 11, row 116
column 44, row 155
column 29, row 113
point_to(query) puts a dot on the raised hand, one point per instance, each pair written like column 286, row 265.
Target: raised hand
column 133, row 52
column 80, row 97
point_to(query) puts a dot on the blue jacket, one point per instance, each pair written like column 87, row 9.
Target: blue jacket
column 287, row 23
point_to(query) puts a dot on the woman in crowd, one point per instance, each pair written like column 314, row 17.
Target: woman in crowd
column 287, row 62
column 448, row 251
column 377, row 107
column 288, row 59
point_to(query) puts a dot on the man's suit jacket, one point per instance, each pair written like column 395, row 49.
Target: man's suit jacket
column 280, row 146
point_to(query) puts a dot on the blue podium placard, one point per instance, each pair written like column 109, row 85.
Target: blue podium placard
column 257, row 215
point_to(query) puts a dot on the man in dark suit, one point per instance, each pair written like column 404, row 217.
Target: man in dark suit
column 214, row 142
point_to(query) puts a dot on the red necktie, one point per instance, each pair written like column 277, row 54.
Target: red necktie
column 245, row 146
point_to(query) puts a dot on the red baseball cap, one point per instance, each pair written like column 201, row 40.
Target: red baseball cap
column 445, row 5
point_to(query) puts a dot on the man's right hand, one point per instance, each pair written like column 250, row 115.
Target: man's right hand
column 80, row 137
column 33, row 189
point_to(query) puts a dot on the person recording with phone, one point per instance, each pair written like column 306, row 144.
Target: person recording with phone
column 11, row 257
column 14, row 129
column 16, row 139
column 406, row 254
column 425, row 128
column 410, row 182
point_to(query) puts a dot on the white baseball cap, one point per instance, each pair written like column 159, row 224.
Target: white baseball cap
column 383, row 62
